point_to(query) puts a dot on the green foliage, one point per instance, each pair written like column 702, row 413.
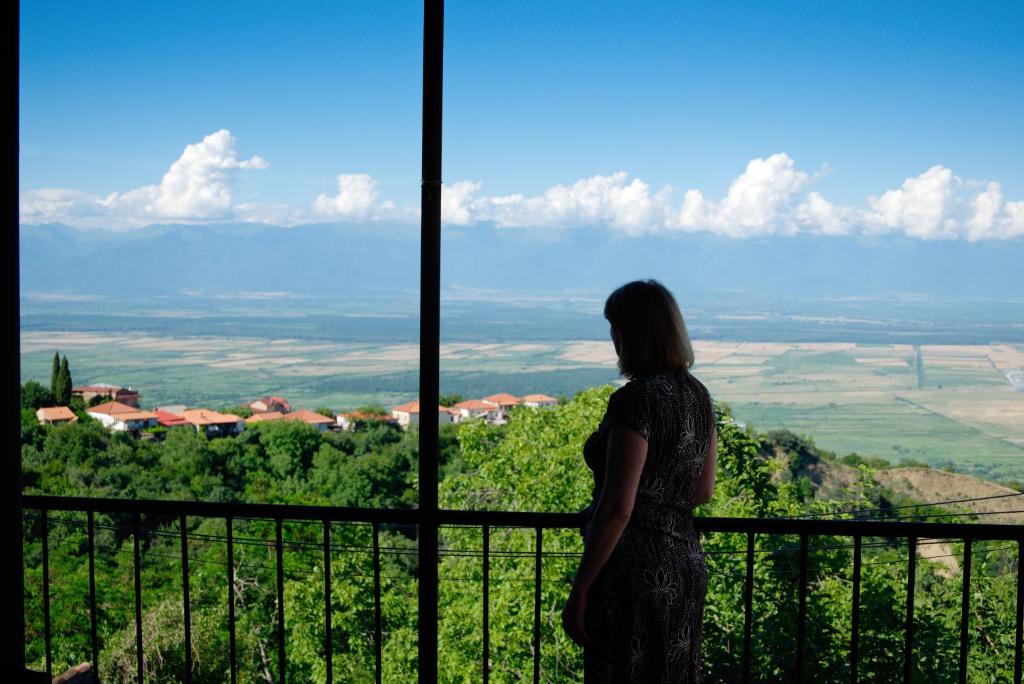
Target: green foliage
column 450, row 399
column 34, row 396
column 241, row 410
column 55, row 374
column 62, row 388
column 533, row 463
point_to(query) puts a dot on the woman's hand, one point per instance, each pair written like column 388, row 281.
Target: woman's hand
column 572, row 616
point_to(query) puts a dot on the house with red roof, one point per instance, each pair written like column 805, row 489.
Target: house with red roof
column 55, row 415
column 120, row 417
column 311, row 418
column 269, row 404
column 409, row 414
column 214, row 424
column 477, row 408
column 168, row 420
column 504, row 402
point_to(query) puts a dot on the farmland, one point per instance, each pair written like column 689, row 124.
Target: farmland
column 947, row 405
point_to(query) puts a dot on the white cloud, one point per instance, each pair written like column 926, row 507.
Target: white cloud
column 197, row 187
column 759, row 201
column 357, row 193
column 922, row 207
column 770, row 197
column 614, row 200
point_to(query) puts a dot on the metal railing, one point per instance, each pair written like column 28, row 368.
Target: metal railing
column 857, row 530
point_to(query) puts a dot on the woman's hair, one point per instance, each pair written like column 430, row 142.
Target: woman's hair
column 652, row 334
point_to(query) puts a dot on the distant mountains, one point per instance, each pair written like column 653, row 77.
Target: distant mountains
column 348, row 261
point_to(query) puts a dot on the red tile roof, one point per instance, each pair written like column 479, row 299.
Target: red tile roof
column 474, row 405
column 538, row 398
column 168, row 419
column 121, row 411
column 308, row 417
column 414, row 407
column 503, row 399
column 207, row 417
column 268, row 415
column 52, row 413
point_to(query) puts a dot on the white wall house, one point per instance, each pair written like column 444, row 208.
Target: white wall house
column 311, row 418
column 504, row 402
column 409, row 414
column 537, row 400
column 475, row 408
column 214, row 424
column 122, row 418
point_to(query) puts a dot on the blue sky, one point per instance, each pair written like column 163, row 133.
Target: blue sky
column 782, row 117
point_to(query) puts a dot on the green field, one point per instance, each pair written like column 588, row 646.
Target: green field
column 957, row 409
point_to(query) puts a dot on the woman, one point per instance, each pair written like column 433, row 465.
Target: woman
column 638, row 599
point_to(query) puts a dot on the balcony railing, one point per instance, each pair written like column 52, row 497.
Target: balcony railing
column 486, row 521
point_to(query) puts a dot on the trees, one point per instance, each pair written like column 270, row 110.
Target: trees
column 62, row 387
column 55, row 373
column 34, row 396
column 531, row 464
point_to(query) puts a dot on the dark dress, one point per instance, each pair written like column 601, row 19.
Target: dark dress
column 645, row 609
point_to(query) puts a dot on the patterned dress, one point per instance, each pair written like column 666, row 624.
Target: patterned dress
column 645, row 609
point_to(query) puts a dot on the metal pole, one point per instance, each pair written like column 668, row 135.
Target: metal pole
column 430, row 333
column 13, row 607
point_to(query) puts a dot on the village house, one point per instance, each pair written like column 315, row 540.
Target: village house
column 311, row 418
column 475, row 408
column 120, row 417
column 123, row 395
column 538, row 400
column 504, row 402
column 409, row 414
column 264, row 417
column 55, row 415
column 271, row 404
column 170, row 419
column 214, row 424
column 349, row 421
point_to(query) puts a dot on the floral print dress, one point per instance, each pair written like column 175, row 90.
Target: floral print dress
column 645, row 609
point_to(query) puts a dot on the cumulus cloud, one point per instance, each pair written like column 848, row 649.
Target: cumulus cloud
column 196, row 187
column 626, row 205
column 771, row 196
column 357, row 193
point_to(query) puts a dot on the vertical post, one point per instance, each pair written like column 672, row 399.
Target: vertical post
column 801, row 625
column 486, row 671
column 965, row 607
column 229, row 524
column 47, row 637
column 1020, row 613
column 279, row 547
column 186, row 602
column 908, row 638
column 855, row 619
column 378, row 632
column 13, row 607
column 430, row 334
column 137, row 558
column 328, row 645
column 536, row 606
column 91, row 527
column 748, row 606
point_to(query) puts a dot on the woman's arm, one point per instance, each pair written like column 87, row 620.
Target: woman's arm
column 706, row 483
column 627, row 452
